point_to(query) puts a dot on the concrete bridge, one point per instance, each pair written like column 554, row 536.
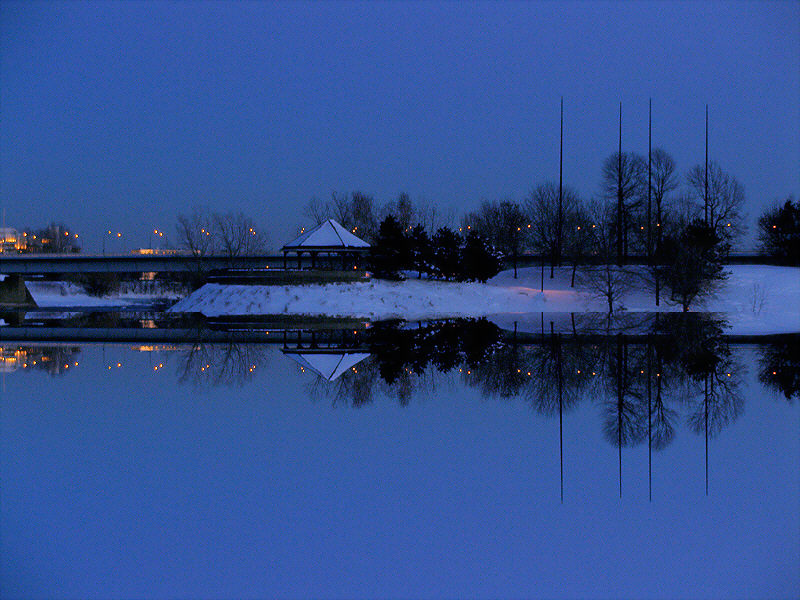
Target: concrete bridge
column 63, row 264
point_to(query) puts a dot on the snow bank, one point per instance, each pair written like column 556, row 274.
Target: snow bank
column 411, row 300
column 756, row 299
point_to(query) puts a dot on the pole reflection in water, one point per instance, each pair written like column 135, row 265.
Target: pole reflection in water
column 433, row 452
column 642, row 381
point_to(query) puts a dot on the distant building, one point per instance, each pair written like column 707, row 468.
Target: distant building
column 156, row 251
column 52, row 239
column 11, row 240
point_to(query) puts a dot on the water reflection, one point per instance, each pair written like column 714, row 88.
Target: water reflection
column 53, row 360
column 779, row 367
column 123, row 463
column 219, row 364
column 648, row 373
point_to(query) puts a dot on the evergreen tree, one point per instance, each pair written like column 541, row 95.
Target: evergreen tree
column 694, row 262
column 421, row 252
column 446, row 252
column 390, row 252
column 477, row 259
column 779, row 232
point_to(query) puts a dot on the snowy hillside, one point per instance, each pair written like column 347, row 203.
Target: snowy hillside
column 757, row 299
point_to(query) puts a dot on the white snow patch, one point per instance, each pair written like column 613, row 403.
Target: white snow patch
column 738, row 298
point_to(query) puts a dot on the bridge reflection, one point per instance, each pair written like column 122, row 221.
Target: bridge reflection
column 648, row 379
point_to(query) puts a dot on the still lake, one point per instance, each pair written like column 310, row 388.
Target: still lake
column 614, row 469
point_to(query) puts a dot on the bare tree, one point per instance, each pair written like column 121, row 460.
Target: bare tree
column 664, row 181
column 602, row 278
column 222, row 364
column 317, row 211
column 503, row 224
column 355, row 212
column 237, row 235
column 548, row 236
column 194, row 233
column 624, row 181
column 725, row 199
column 433, row 218
column 402, row 210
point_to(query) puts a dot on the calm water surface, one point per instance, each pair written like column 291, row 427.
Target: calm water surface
column 138, row 471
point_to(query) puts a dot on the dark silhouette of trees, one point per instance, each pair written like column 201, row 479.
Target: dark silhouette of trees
column 603, row 278
column 624, row 183
column 446, row 253
column 421, row 250
column 551, row 234
column 56, row 238
column 403, row 210
column 236, row 234
column 356, row 212
column 503, row 224
column 725, row 199
column 779, row 232
column 205, row 233
column 694, row 262
column 194, row 233
column 780, row 367
column 664, row 181
column 477, row 259
column 391, row 250
column 221, row 364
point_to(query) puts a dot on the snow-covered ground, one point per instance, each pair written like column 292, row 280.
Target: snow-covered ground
column 756, row 299
column 64, row 294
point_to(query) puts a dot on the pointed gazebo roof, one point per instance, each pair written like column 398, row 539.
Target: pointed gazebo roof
column 327, row 365
column 327, row 237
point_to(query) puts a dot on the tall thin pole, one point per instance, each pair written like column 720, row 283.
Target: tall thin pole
column 705, row 197
column 649, row 179
column 619, row 191
column 560, row 184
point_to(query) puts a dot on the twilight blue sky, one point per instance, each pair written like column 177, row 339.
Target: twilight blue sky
column 122, row 115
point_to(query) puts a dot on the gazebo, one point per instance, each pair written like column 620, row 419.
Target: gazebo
column 328, row 238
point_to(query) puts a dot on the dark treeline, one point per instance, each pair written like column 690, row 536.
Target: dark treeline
column 779, row 232
column 682, row 227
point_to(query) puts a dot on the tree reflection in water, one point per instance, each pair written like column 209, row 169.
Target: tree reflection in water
column 54, row 360
column 779, row 366
column 670, row 364
column 645, row 372
column 221, row 364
